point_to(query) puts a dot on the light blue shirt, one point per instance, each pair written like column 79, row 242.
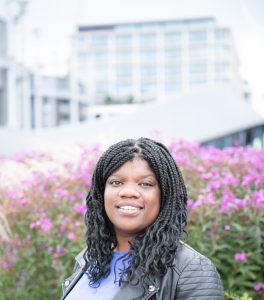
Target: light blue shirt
column 108, row 286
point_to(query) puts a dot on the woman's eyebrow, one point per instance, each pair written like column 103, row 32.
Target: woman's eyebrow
column 141, row 176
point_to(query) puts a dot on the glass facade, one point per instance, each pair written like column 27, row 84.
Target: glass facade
column 100, row 41
column 252, row 136
column 198, row 68
column 123, row 56
column 148, row 71
column 172, row 38
column 124, row 72
column 123, row 41
column 63, row 111
column 3, row 97
column 83, row 110
column 124, row 89
column 197, row 52
column 148, row 87
column 3, row 39
column 100, row 57
column 172, row 70
column 172, row 86
column 220, row 33
column 148, row 55
column 101, row 88
column 148, row 40
column 198, row 35
column 221, row 50
column 172, row 53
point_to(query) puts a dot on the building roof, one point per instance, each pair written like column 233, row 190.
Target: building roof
column 198, row 117
column 188, row 21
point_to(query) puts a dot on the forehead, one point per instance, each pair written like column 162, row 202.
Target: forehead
column 135, row 165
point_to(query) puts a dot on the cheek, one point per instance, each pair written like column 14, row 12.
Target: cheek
column 109, row 196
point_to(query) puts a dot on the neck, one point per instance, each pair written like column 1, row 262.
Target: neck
column 123, row 241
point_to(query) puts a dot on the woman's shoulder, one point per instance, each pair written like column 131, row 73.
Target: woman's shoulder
column 186, row 255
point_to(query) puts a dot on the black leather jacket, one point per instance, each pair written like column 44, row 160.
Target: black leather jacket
column 192, row 277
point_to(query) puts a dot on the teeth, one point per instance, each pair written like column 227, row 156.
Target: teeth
column 129, row 208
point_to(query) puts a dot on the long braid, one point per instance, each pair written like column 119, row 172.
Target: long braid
column 152, row 251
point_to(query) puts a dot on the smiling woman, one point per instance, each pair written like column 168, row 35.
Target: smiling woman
column 136, row 213
column 132, row 200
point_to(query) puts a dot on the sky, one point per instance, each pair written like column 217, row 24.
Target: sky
column 48, row 25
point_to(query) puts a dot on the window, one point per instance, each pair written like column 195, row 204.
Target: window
column 148, row 55
column 148, row 39
column 221, row 67
column 3, row 97
column 82, row 111
column 100, row 41
column 172, row 38
column 123, row 40
column 197, row 52
column 3, row 39
column 172, row 86
column 101, row 88
column 63, row 111
column 172, row 53
column 221, row 50
column 81, row 42
column 197, row 82
column 148, row 71
column 220, row 33
column 257, row 137
column 198, row 35
column 101, row 72
column 124, row 72
column 148, row 87
column 100, row 57
column 123, row 56
column 124, row 89
column 172, row 69
column 197, row 68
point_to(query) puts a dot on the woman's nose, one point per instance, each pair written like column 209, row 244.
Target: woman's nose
column 129, row 191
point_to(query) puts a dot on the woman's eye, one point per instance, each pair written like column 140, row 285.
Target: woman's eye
column 115, row 182
column 145, row 184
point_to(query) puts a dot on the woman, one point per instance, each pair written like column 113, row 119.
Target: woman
column 136, row 213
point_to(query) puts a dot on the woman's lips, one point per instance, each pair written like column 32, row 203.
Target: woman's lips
column 128, row 210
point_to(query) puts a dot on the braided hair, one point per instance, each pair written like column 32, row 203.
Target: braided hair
column 152, row 252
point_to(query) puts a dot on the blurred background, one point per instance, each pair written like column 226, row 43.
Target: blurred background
column 76, row 76
column 99, row 71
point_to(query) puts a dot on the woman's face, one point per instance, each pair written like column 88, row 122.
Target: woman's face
column 132, row 197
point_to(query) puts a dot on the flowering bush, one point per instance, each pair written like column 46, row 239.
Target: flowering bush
column 42, row 207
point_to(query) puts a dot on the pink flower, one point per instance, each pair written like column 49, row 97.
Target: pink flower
column 62, row 229
column 71, row 236
column 61, row 193
column 258, row 198
column 46, row 224
column 259, row 286
column 240, row 256
column 23, row 201
column 227, row 228
column 60, row 250
column 80, row 208
column 240, row 203
column 190, row 203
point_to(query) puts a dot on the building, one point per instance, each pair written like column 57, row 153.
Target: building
column 29, row 99
column 143, row 61
column 4, row 63
column 48, row 101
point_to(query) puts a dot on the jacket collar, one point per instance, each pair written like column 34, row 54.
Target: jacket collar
column 134, row 291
